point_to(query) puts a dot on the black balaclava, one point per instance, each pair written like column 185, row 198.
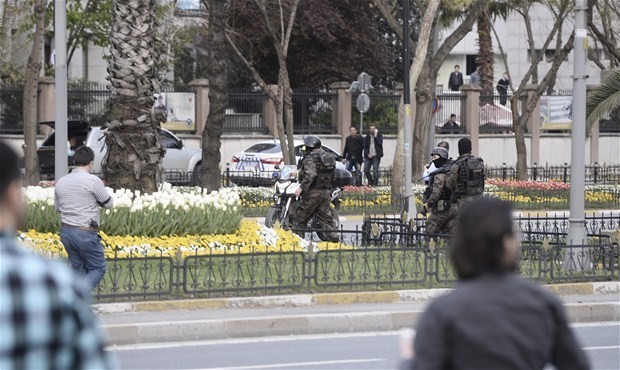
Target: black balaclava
column 439, row 162
column 464, row 146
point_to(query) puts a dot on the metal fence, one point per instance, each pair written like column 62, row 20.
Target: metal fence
column 244, row 113
column 383, row 112
column 449, row 103
column 390, row 260
column 595, row 174
column 87, row 101
column 11, row 109
column 313, row 111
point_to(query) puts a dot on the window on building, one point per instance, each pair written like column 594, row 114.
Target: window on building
column 538, row 52
column 470, row 64
column 550, row 55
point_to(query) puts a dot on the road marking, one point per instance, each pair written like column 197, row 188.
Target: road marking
column 146, row 346
column 595, row 324
column 296, row 364
column 600, row 348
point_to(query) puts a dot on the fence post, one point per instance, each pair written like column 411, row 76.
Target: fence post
column 200, row 87
column 269, row 112
column 533, row 126
column 227, row 174
column 594, row 133
column 341, row 108
column 470, row 112
column 596, row 172
column 534, row 172
column 47, row 102
column 504, row 170
column 565, row 176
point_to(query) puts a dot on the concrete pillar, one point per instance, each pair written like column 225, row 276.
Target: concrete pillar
column 269, row 113
column 341, row 108
column 533, row 126
column 200, row 87
column 594, row 133
column 46, row 104
column 470, row 114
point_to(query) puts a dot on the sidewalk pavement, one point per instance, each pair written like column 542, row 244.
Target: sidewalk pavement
column 212, row 319
column 516, row 214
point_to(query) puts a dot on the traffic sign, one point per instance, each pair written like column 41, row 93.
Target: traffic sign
column 363, row 103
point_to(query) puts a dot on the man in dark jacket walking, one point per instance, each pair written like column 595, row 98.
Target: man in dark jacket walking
column 373, row 151
column 353, row 154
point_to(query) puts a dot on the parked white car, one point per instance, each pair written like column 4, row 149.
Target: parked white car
column 256, row 165
column 181, row 164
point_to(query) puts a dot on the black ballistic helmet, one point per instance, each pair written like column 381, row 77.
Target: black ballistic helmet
column 441, row 152
column 312, row 142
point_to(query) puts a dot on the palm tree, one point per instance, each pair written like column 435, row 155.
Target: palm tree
column 134, row 154
column 604, row 99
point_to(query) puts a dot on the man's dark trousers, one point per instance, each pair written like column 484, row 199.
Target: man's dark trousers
column 373, row 178
column 357, row 174
column 85, row 253
column 315, row 203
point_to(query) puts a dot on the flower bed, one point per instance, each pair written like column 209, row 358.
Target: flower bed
column 170, row 211
column 249, row 238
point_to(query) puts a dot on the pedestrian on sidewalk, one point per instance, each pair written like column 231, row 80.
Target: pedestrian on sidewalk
column 45, row 316
column 373, row 151
column 493, row 319
column 353, row 154
column 78, row 197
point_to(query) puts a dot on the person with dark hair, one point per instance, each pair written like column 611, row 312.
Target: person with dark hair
column 450, row 127
column 373, row 152
column 78, row 197
column 353, row 154
column 493, row 319
column 438, row 198
column 456, row 79
column 502, row 88
column 466, row 177
column 45, row 316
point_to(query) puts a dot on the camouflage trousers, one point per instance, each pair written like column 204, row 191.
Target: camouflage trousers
column 315, row 203
column 441, row 222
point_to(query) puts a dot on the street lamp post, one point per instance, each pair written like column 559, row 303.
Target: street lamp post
column 577, row 230
column 60, row 67
column 409, row 202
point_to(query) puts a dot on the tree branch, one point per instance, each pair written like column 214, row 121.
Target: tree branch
column 257, row 77
column 270, row 30
column 393, row 23
column 289, row 29
column 457, row 35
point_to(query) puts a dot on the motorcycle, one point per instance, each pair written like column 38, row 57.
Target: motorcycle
column 285, row 202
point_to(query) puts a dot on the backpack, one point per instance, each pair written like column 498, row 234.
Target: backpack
column 326, row 166
column 470, row 179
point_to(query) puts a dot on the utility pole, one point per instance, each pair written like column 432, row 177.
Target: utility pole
column 409, row 202
column 60, row 67
column 577, row 230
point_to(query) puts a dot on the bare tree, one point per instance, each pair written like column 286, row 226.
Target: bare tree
column 414, row 70
column 603, row 23
column 428, row 74
column 279, row 33
column 216, row 41
column 523, row 106
column 31, row 85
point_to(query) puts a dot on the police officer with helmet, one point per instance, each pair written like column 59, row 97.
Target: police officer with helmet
column 316, row 174
column 438, row 198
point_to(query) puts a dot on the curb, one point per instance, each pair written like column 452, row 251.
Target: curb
column 179, row 331
column 302, row 300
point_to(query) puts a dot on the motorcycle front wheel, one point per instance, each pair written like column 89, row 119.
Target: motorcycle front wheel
column 274, row 214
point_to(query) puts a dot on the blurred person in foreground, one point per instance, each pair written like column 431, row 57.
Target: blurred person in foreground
column 45, row 316
column 493, row 319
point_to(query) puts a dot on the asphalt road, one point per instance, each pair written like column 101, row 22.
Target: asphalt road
column 601, row 342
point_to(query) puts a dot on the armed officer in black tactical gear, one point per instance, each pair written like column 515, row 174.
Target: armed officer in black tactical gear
column 316, row 174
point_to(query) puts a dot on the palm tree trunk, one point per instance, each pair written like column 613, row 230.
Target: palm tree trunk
column 31, row 85
column 485, row 57
column 218, row 100
column 134, row 154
